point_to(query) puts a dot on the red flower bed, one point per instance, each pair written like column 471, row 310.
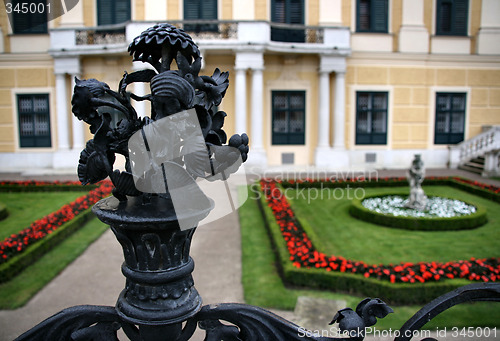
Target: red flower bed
column 303, row 253
column 17, row 243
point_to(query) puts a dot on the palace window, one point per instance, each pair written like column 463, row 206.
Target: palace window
column 29, row 22
column 289, row 116
column 372, row 16
column 110, row 12
column 452, row 17
column 450, row 118
column 34, row 120
column 371, row 117
column 200, row 10
column 287, row 12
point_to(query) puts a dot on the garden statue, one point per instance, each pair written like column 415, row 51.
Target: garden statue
column 416, row 175
column 157, row 206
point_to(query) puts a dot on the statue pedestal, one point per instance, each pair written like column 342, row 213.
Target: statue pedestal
column 159, row 288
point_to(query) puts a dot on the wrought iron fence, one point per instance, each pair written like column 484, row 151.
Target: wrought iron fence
column 297, row 33
column 102, row 35
column 209, row 29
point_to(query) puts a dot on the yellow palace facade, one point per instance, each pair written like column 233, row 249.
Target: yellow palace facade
column 334, row 84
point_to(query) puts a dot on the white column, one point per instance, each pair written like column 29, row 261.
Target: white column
column 324, row 110
column 140, row 90
column 257, row 155
column 339, row 112
column 241, row 100
column 140, row 106
column 62, row 112
column 77, row 125
column 257, row 109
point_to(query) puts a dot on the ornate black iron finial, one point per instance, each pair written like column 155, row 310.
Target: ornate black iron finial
column 172, row 91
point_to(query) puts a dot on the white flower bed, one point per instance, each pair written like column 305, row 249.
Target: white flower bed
column 436, row 207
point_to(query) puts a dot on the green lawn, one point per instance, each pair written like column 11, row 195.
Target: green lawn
column 20, row 289
column 26, row 207
column 337, row 233
column 263, row 285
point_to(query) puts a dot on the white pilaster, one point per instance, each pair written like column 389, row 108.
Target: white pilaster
column 155, row 10
column 77, row 125
column 241, row 100
column 413, row 35
column 488, row 37
column 330, row 12
column 244, row 10
column 73, row 17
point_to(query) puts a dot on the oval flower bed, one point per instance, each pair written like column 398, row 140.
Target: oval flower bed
column 304, row 255
column 440, row 214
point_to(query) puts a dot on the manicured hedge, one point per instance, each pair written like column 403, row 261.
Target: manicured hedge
column 486, row 191
column 15, row 187
column 300, row 262
column 3, row 211
column 465, row 222
column 395, row 293
column 33, row 252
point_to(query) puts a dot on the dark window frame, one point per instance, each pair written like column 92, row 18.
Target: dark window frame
column 288, row 138
column 206, row 10
column 288, row 35
column 378, row 22
column 37, row 139
column 452, row 17
column 371, row 138
column 450, row 137
column 29, row 23
column 114, row 20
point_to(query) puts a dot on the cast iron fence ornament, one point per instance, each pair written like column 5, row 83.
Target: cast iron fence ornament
column 159, row 301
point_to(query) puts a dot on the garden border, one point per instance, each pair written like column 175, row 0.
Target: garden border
column 58, row 232
column 18, row 263
column 399, row 293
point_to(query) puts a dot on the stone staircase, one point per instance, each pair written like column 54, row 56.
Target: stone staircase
column 479, row 154
column 476, row 165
